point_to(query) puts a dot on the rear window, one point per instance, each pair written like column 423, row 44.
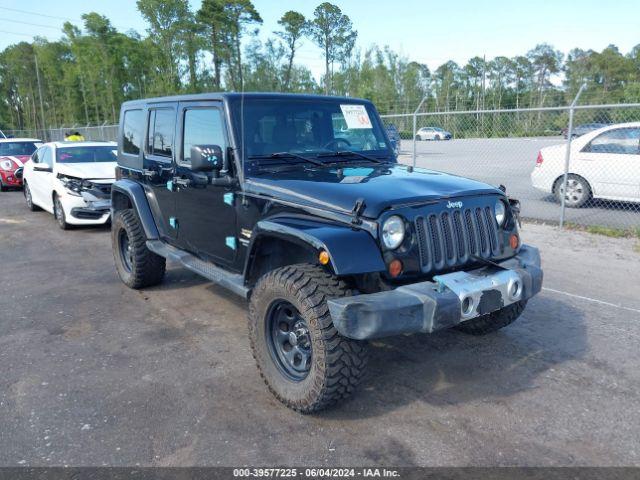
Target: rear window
column 132, row 132
column 102, row 153
column 162, row 125
column 18, row 148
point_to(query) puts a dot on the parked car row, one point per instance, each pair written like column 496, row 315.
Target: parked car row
column 71, row 180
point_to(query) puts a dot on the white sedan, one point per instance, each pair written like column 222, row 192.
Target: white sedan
column 72, row 180
column 604, row 164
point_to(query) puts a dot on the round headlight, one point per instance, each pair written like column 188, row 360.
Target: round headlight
column 393, row 232
column 500, row 212
column 6, row 165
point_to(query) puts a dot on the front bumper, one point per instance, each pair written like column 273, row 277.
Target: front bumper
column 447, row 301
column 86, row 209
column 11, row 179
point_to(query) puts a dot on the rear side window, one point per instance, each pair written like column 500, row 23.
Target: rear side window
column 202, row 126
column 132, row 132
column 625, row 141
column 162, row 125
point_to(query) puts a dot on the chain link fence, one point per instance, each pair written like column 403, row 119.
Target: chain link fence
column 95, row 133
column 523, row 149
column 529, row 150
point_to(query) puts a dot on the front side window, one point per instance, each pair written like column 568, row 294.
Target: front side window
column 625, row 141
column 102, row 153
column 162, row 125
column 8, row 149
column 132, row 132
column 46, row 157
column 202, row 126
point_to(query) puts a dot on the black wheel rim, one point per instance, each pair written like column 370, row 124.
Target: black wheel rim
column 126, row 250
column 289, row 340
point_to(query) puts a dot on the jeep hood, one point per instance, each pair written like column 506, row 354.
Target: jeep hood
column 93, row 170
column 381, row 187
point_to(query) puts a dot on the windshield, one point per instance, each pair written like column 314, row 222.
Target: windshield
column 18, row 148
column 309, row 127
column 102, row 153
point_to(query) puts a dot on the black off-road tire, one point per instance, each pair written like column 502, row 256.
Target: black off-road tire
column 494, row 321
column 337, row 363
column 26, row 191
column 144, row 268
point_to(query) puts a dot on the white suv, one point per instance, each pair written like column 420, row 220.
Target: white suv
column 72, row 180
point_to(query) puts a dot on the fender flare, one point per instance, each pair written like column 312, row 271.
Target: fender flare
column 136, row 195
column 351, row 251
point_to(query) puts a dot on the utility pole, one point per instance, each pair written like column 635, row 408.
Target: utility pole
column 44, row 127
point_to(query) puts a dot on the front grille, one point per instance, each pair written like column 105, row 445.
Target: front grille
column 448, row 239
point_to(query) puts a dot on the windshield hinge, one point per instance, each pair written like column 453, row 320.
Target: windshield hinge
column 358, row 208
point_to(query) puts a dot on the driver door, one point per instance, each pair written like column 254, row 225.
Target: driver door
column 41, row 179
column 206, row 213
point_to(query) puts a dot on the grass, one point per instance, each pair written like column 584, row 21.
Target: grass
column 606, row 231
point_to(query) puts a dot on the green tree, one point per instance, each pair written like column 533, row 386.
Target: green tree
column 294, row 27
column 333, row 32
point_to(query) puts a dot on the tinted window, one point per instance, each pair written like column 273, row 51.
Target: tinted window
column 162, row 124
column 132, row 132
column 308, row 127
column 102, row 153
column 202, row 126
column 620, row 141
column 17, row 148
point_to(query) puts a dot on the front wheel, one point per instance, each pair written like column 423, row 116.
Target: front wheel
column 58, row 212
column 26, row 191
column 137, row 266
column 493, row 321
column 301, row 356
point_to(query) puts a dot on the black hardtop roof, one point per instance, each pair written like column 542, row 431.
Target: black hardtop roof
column 235, row 96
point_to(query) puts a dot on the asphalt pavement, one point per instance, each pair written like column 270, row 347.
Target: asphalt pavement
column 94, row 373
column 509, row 161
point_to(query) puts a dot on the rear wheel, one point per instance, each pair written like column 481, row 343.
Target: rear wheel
column 578, row 191
column 301, row 356
column 137, row 266
column 494, row 321
column 418, row 138
column 58, row 212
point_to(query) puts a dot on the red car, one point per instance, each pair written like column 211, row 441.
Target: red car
column 14, row 152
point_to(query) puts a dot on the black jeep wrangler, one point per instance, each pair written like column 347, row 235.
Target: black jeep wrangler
column 297, row 203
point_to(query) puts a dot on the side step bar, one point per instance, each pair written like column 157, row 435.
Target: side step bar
column 231, row 281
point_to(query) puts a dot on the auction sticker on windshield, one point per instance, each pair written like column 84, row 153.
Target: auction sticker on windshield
column 356, row 116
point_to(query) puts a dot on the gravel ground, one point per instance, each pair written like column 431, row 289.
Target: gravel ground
column 96, row 374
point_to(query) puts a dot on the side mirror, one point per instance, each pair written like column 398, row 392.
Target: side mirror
column 42, row 167
column 206, row 158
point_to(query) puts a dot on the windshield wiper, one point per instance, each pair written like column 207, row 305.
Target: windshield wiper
column 287, row 155
column 349, row 153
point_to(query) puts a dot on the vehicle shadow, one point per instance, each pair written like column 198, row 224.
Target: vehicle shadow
column 451, row 368
column 600, row 203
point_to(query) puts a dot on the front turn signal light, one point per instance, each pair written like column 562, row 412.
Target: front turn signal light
column 514, row 241
column 395, row 268
column 323, row 257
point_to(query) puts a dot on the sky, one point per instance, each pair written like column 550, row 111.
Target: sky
column 430, row 32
